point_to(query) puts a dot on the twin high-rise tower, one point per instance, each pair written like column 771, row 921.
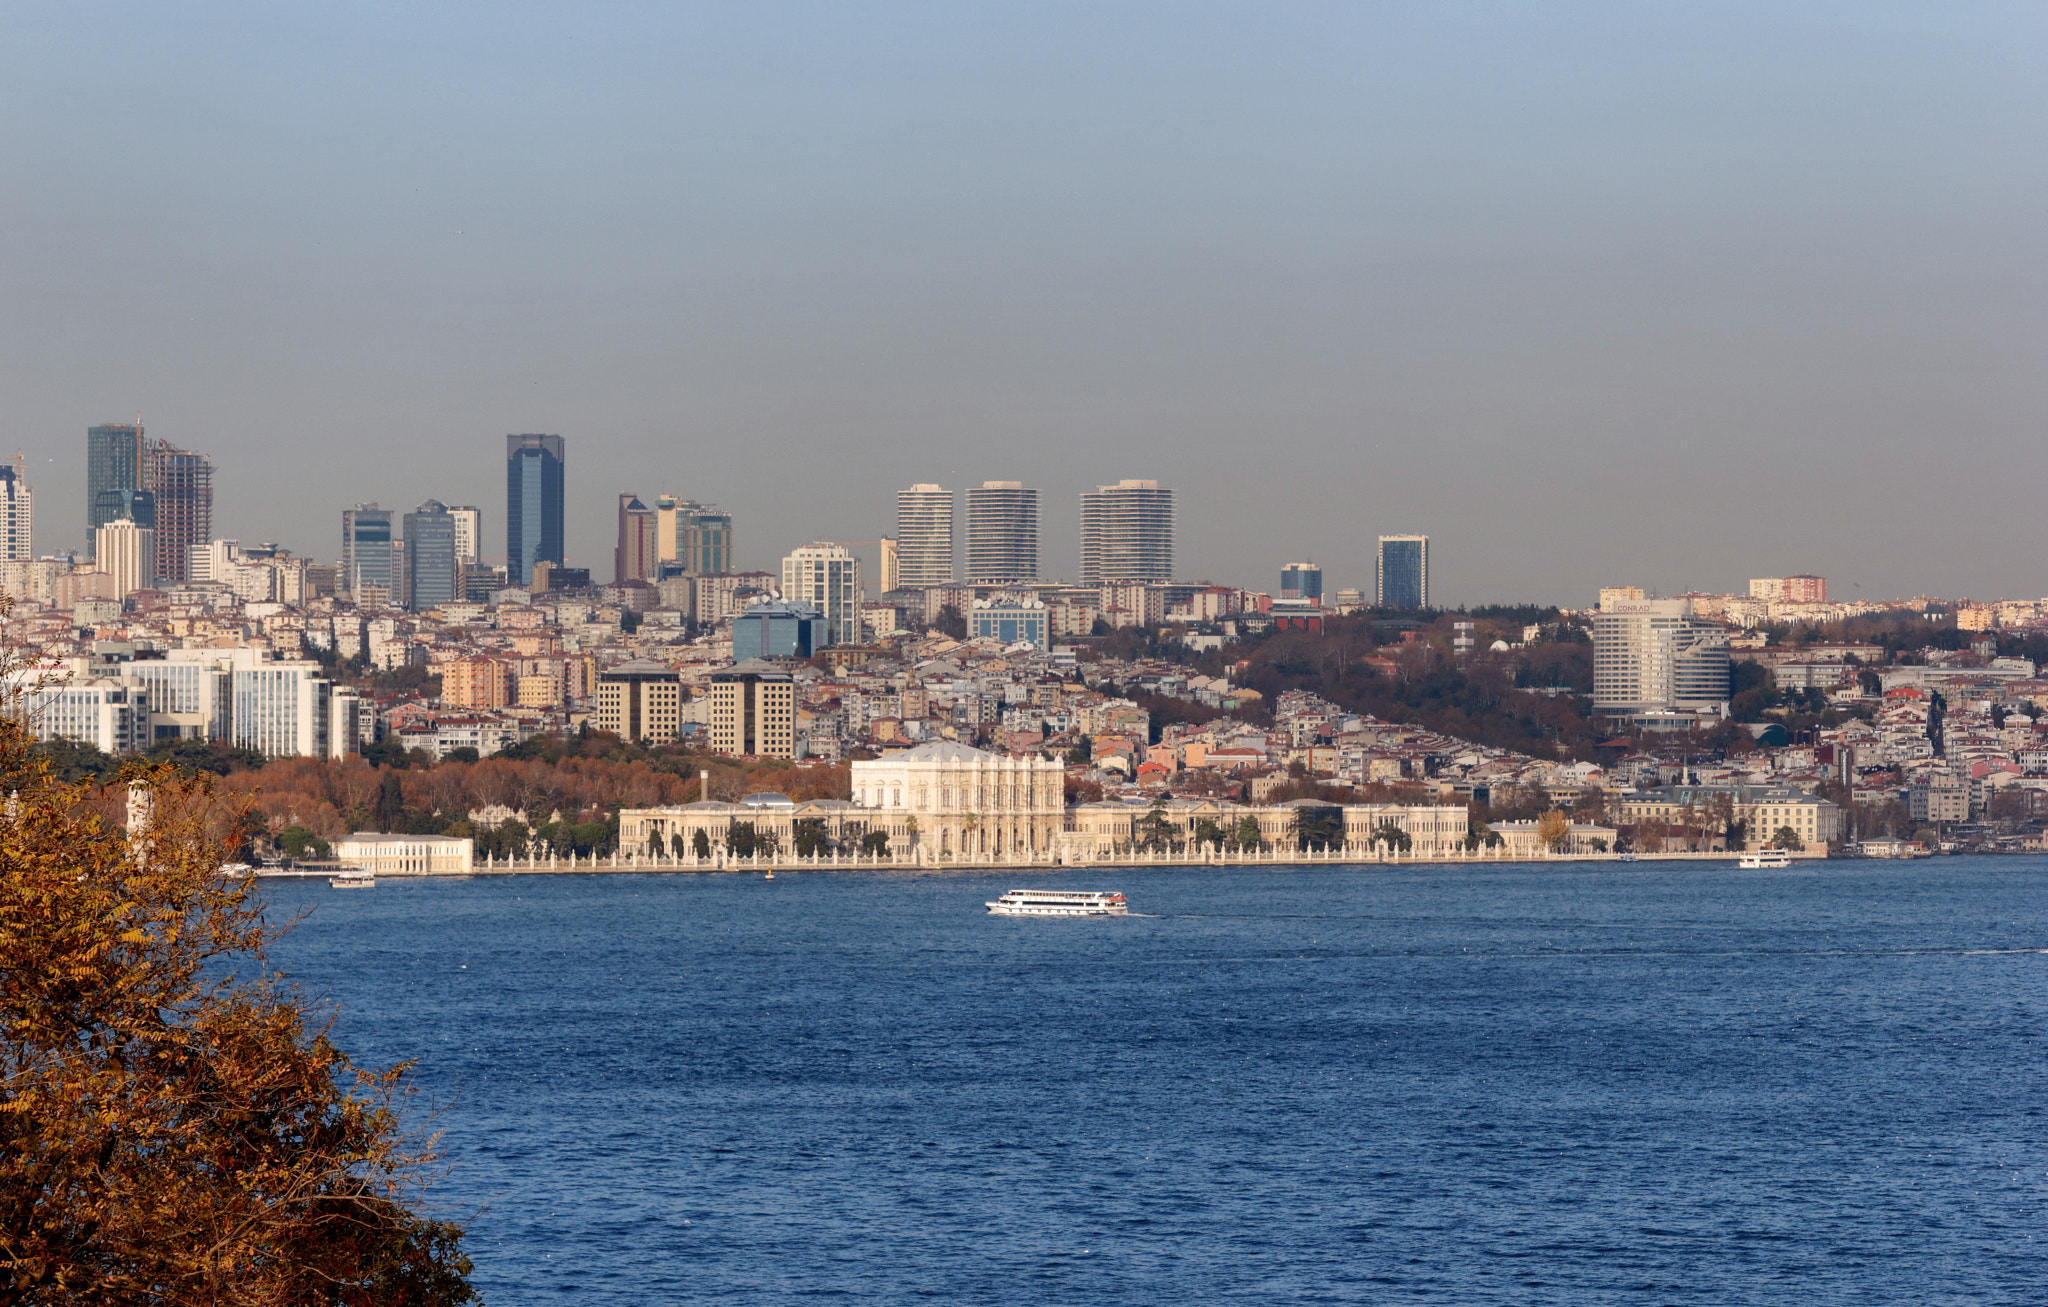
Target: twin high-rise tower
column 1001, row 536
column 1127, row 533
column 157, row 486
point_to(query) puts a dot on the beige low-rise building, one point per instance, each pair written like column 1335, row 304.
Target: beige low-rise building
column 1101, row 830
column 407, row 855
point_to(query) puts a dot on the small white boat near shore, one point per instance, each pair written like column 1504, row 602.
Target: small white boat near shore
column 1059, row 903
column 1765, row 859
column 363, row 880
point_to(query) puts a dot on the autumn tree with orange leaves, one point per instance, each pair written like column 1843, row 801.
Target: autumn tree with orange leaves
column 177, row 1127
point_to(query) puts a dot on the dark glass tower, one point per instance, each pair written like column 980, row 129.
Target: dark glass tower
column 113, row 462
column 366, row 553
column 432, row 574
column 1402, row 573
column 533, row 505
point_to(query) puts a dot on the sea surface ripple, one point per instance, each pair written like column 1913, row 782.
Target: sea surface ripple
column 1565, row 1083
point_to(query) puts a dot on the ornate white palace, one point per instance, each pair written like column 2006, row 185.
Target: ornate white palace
column 964, row 800
column 940, row 799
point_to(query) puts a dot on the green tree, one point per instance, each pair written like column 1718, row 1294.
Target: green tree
column 875, row 842
column 1396, row 839
column 71, row 760
column 741, row 840
column 1207, row 832
column 1247, row 836
column 1155, row 829
column 1317, row 826
column 299, row 844
column 809, row 837
column 389, row 813
column 700, row 843
column 1787, row 838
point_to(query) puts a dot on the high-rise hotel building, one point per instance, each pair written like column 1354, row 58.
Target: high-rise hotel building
column 1401, row 573
column 1002, row 533
column 534, row 477
column 1127, row 533
column 1650, row 656
column 924, row 536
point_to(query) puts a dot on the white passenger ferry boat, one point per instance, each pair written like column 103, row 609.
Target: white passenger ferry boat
column 1766, row 858
column 1060, row 903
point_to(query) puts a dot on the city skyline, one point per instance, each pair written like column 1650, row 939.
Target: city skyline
column 697, row 538
column 1327, row 271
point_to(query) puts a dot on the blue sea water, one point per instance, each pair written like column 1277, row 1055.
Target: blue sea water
column 1658, row 1083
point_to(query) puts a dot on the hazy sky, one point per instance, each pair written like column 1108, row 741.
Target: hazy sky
column 1666, row 294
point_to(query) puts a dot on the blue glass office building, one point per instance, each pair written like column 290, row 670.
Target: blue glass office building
column 533, row 505
column 779, row 629
column 1403, row 573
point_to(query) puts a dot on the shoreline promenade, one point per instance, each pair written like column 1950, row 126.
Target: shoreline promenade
column 720, row 863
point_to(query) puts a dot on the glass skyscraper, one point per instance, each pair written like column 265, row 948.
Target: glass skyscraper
column 113, row 462
column 366, row 553
column 533, row 505
column 1302, row 581
column 1402, row 573
column 433, row 570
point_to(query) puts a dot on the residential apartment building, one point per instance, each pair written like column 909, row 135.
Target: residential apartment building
column 17, row 515
column 924, row 536
column 1002, row 533
column 828, row 576
column 127, row 553
column 469, row 531
column 1127, row 533
column 1789, row 589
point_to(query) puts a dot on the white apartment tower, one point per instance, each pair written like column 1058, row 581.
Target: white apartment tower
column 924, row 536
column 469, row 529
column 1002, row 533
column 1651, row 656
column 1127, row 533
column 829, row 576
column 17, row 516
column 127, row 552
